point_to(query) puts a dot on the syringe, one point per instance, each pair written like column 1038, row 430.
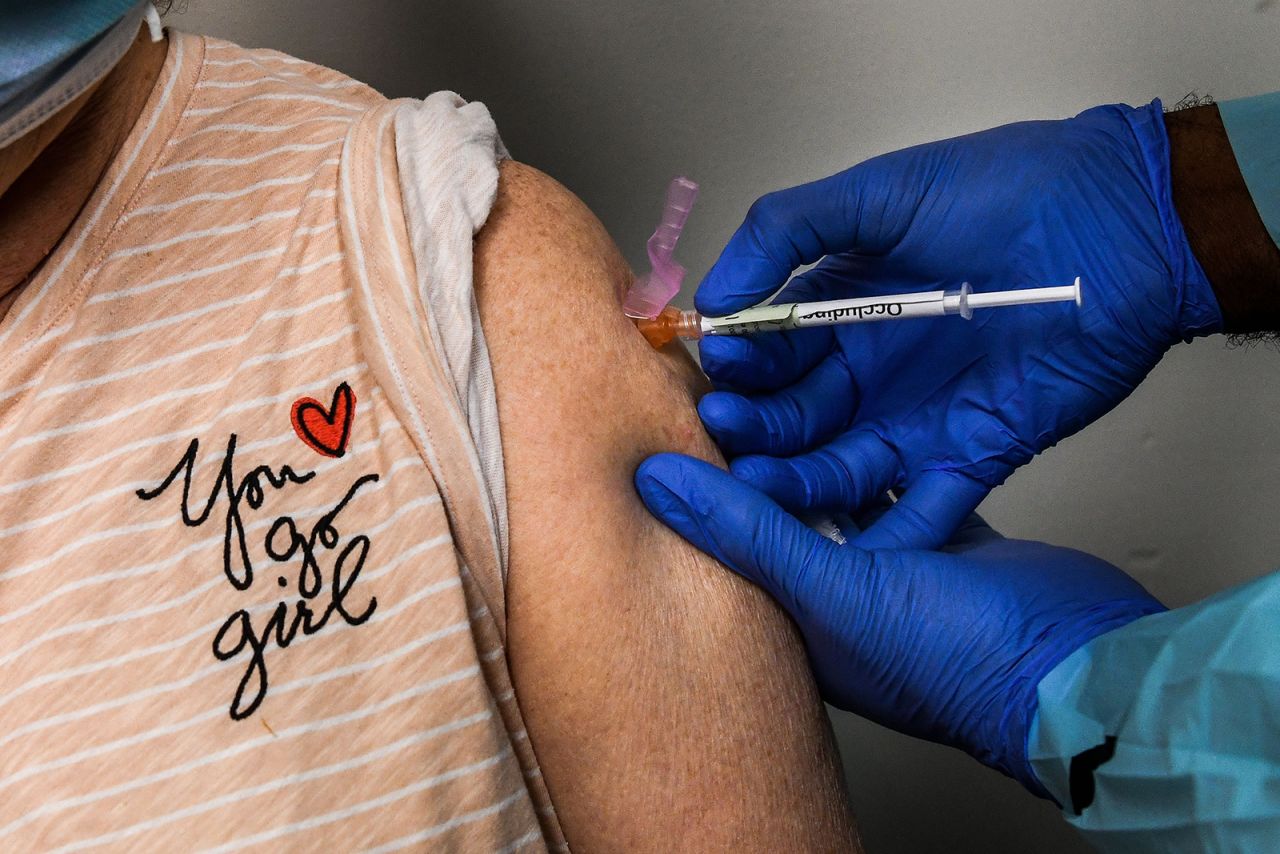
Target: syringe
column 673, row 323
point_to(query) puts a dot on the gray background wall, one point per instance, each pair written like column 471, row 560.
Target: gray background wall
column 1178, row 486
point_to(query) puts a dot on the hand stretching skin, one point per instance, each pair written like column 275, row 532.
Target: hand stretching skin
column 945, row 645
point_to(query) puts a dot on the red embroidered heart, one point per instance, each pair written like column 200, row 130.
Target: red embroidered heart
column 325, row 430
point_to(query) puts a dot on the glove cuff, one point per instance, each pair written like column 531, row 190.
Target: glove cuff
column 1197, row 310
column 1022, row 706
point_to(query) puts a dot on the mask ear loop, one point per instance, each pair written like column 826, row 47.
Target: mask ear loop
column 153, row 23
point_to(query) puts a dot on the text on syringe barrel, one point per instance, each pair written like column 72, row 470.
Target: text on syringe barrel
column 831, row 312
column 928, row 304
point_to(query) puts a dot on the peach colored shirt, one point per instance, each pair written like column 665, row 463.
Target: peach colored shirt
column 250, row 589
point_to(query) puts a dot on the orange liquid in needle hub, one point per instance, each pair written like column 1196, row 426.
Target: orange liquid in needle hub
column 671, row 323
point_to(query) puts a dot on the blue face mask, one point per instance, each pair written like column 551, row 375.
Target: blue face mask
column 53, row 50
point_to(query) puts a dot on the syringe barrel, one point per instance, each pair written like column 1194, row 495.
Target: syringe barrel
column 867, row 309
column 961, row 301
column 784, row 316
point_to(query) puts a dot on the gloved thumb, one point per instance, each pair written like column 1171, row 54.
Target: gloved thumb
column 742, row 528
column 781, row 231
column 866, row 208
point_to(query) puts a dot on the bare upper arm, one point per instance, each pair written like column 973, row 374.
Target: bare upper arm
column 668, row 701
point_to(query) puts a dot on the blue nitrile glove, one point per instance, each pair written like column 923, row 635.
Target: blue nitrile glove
column 943, row 406
column 948, row 646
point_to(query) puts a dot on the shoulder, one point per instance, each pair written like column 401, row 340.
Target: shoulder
column 550, row 282
column 537, row 226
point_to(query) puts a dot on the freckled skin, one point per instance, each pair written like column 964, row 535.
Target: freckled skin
column 666, row 698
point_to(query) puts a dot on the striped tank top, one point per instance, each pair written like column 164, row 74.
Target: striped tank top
column 252, row 533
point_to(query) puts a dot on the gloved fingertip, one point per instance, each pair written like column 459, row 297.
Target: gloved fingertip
column 682, row 483
column 657, row 480
column 728, row 416
column 720, row 353
column 701, row 503
column 658, row 470
column 753, row 469
column 661, row 470
column 774, row 477
column 722, row 304
column 725, row 290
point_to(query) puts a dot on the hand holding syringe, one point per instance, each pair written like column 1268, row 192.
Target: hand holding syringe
column 673, row 323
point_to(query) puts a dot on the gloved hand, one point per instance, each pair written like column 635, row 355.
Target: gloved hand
column 948, row 646
column 948, row 407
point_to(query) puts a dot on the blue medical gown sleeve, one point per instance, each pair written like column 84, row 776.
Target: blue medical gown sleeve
column 1253, row 126
column 1186, row 704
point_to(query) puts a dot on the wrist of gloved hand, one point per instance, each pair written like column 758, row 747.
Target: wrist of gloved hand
column 1197, row 312
column 1000, row 741
column 1222, row 221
